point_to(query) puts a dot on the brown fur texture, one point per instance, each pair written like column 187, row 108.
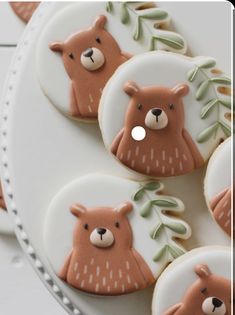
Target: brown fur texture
column 221, row 207
column 112, row 270
column 165, row 151
column 87, row 86
column 208, row 285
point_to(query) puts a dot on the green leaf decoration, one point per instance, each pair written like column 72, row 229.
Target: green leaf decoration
column 152, row 186
column 226, row 129
column 138, row 195
column 192, row 74
column 164, row 203
column 146, row 210
column 202, row 90
column 109, row 7
column 208, row 108
column 172, row 40
column 156, row 230
column 207, row 63
column 155, row 14
column 160, row 253
column 179, row 228
column 175, row 251
column 207, row 133
column 125, row 16
column 138, row 29
column 221, row 80
column 226, row 103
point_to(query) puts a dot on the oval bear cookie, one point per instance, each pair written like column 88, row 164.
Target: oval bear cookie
column 218, row 186
column 162, row 113
column 80, row 49
column 198, row 283
column 112, row 236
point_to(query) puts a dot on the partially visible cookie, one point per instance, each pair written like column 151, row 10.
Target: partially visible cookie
column 2, row 201
column 24, row 10
column 218, row 186
column 197, row 283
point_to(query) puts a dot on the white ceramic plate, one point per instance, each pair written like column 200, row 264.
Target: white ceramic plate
column 43, row 151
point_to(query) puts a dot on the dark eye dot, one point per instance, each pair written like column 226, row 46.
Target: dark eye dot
column 171, row 106
column 86, row 226
column 98, row 40
column 117, row 224
column 71, row 56
column 139, row 106
column 203, row 290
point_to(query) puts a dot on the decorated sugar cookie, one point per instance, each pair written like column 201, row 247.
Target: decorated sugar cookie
column 24, row 10
column 162, row 114
column 77, row 56
column 197, row 283
column 112, row 236
column 218, row 186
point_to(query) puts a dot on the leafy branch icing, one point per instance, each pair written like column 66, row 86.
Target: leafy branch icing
column 170, row 227
column 211, row 83
column 146, row 23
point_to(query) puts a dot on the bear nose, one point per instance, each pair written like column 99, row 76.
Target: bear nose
column 101, row 231
column 88, row 53
column 216, row 302
column 156, row 112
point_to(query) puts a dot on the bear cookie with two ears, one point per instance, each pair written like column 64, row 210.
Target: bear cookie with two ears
column 103, row 260
column 163, row 146
column 90, row 58
column 209, row 295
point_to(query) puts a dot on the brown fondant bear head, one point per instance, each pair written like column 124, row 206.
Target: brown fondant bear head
column 209, row 295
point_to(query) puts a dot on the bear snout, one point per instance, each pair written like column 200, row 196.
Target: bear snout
column 92, row 59
column 156, row 119
column 101, row 237
column 213, row 305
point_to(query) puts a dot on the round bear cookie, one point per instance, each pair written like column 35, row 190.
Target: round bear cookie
column 75, row 57
column 218, row 186
column 163, row 114
column 198, row 283
column 107, row 235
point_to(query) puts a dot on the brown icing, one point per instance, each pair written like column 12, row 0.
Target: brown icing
column 210, row 294
column 90, row 58
column 24, row 10
column 221, row 207
column 103, row 260
column 2, row 201
column 167, row 149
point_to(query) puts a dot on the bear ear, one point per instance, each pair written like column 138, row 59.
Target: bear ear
column 202, row 271
column 57, row 46
column 131, row 88
column 124, row 208
column 181, row 90
column 78, row 210
column 100, row 22
column 172, row 310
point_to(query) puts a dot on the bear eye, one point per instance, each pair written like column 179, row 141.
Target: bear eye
column 139, row 106
column 171, row 106
column 98, row 40
column 117, row 224
column 71, row 56
column 203, row 290
column 86, row 226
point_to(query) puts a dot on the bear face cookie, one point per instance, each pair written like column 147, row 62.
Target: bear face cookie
column 160, row 127
column 203, row 282
column 117, row 236
column 218, row 186
column 76, row 57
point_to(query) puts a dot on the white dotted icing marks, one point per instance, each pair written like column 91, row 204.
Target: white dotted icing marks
column 148, row 21
column 213, row 80
column 158, row 205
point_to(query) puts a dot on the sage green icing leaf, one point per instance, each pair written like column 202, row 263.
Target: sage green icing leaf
column 156, row 230
column 160, row 253
column 172, row 40
column 226, row 129
column 177, row 227
column 164, row 202
column 202, row 90
column 192, row 74
column 125, row 17
column 175, row 251
column 152, row 44
column 152, row 186
column 146, row 210
column 138, row 29
column 155, row 14
column 207, row 63
column 207, row 133
column 138, row 195
column 208, row 108
column 221, row 80
column 226, row 103
column 109, row 7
